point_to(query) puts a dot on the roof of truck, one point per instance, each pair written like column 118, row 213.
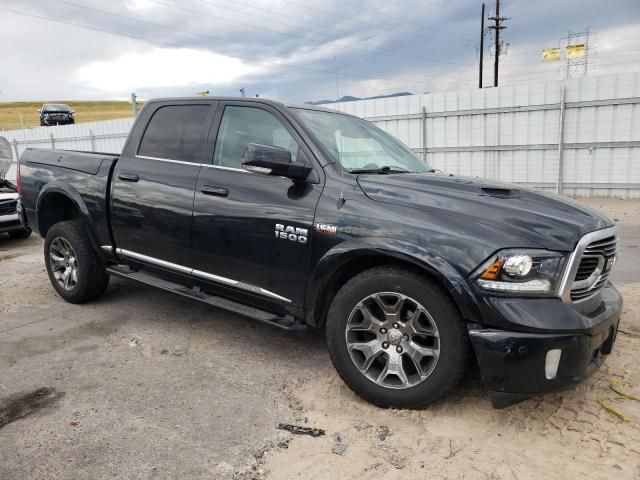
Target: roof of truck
column 267, row 101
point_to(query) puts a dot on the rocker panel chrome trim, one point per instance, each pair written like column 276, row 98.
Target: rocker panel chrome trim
column 201, row 274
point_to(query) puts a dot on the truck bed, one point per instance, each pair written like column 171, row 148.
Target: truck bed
column 48, row 175
column 82, row 161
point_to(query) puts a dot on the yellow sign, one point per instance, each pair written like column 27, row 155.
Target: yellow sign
column 575, row 51
column 550, row 54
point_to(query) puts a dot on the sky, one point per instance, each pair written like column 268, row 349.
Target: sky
column 294, row 50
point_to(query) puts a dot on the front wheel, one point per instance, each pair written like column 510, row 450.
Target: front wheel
column 396, row 338
column 75, row 270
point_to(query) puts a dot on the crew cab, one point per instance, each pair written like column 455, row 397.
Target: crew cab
column 56, row 114
column 302, row 216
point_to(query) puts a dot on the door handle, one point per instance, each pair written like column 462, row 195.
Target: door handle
column 212, row 190
column 128, row 177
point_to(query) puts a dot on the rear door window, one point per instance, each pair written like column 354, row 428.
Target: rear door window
column 176, row 132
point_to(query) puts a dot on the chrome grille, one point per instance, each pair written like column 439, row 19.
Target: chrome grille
column 586, row 268
column 8, row 207
column 606, row 247
column 594, row 268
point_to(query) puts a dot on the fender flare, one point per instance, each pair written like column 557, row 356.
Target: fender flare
column 420, row 257
column 62, row 188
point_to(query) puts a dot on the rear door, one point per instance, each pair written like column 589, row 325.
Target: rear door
column 154, row 182
column 251, row 232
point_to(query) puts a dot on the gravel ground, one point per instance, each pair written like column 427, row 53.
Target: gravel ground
column 141, row 384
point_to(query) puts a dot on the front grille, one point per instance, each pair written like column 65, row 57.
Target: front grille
column 606, row 247
column 587, row 266
column 594, row 268
column 8, row 207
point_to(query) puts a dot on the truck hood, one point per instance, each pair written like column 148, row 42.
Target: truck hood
column 553, row 222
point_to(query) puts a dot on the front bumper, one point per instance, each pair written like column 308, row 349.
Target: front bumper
column 512, row 363
column 10, row 223
column 58, row 120
column 14, row 221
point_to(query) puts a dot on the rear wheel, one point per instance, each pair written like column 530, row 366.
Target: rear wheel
column 396, row 338
column 75, row 270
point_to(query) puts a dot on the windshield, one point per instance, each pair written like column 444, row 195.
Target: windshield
column 55, row 108
column 359, row 145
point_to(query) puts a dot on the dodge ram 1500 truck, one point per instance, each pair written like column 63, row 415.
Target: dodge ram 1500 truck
column 297, row 215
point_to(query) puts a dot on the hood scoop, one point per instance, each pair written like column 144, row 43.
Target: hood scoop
column 501, row 192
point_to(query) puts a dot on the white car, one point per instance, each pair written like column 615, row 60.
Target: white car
column 9, row 218
column 10, row 221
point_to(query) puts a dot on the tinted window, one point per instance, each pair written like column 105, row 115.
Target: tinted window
column 243, row 125
column 175, row 133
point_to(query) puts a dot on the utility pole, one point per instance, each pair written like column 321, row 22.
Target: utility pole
column 497, row 19
column 134, row 104
column 481, row 43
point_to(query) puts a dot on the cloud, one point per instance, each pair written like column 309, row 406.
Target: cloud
column 285, row 49
column 162, row 67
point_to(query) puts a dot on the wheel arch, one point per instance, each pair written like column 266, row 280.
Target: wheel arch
column 58, row 202
column 344, row 261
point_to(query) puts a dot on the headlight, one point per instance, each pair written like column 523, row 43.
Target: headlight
column 526, row 272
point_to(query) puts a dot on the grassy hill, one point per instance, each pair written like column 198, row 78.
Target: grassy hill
column 85, row 112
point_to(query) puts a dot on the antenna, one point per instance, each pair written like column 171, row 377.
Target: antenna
column 341, row 200
column 335, row 66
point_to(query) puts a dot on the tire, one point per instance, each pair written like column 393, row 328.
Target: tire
column 20, row 234
column 429, row 324
column 68, row 254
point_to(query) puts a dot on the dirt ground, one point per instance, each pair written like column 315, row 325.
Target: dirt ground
column 141, row 384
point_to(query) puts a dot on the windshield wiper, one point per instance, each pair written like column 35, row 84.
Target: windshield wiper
column 385, row 170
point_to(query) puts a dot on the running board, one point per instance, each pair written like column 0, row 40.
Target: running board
column 285, row 322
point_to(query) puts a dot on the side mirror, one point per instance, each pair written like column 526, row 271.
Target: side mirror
column 39, row 111
column 72, row 112
column 275, row 161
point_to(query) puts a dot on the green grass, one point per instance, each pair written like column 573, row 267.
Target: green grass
column 86, row 111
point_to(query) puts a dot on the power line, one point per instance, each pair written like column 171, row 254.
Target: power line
column 95, row 29
column 281, row 15
column 144, row 39
column 385, row 51
column 173, row 45
column 341, row 17
column 407, row 20
column 117, row 15
column 191, row 32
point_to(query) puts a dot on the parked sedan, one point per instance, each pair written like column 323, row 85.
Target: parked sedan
column 56, row 114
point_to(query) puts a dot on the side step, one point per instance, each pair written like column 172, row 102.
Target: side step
column 285, row 322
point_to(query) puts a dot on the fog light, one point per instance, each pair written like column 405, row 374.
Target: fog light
column 552, row 362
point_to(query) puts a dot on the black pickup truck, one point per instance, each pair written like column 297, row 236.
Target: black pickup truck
column 302, row 216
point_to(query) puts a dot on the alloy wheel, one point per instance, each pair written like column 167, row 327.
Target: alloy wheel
column 64, row 263
column 392, row 340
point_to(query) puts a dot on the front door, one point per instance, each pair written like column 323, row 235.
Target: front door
column 153, row 185
column 251, row 232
